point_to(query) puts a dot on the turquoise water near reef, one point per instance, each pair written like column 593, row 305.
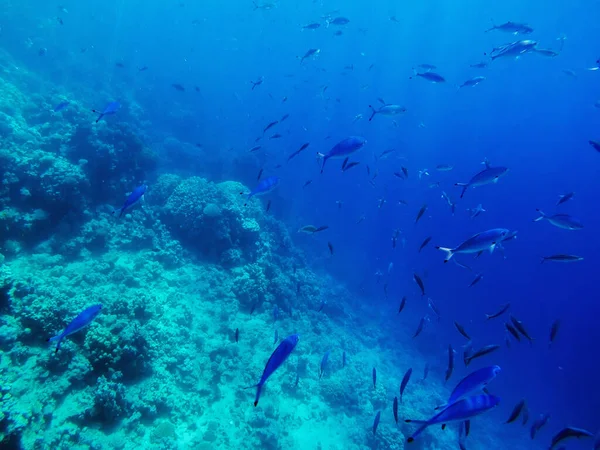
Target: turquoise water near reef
column 199, row 284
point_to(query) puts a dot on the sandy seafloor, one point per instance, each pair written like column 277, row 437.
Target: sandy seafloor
column 160, row 368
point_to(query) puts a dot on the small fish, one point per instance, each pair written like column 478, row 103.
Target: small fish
column 481, row 352
column 420, row 327
column 404, row 171
column 562, row 258
column 277, row 358
column 476, row 280
column 178, row 87
column 538, row 424
column 462, row 410
column 512, row 27
column 421, row 212
column 461, row 330
column 276, row 337
column 433, row 308
column 395, row 409
column 330, row 246
column 480, row 65
column 431, row 76
column 425, row 242
column 275, row 136
column 450, row 368
column 514, row 49
column 310, row 52
column 569, row 432
column 486, row 176
column 474, row 382
column 270, row 125
column 472, row 82
column 476, row 211
column 60, row 21
column 546, row 52
column 132, row 199
column 285, row 116
column 306, row 183
column 237, row 335
column 255, row 148
column 501, row 311
column 344, row 148
column 425, row 371
column 486, row 240
column 512, row 331
column 402, row 304
column 376, row 421
column 142, row 69
column 339, row 21
column 311, row 26
column 350, row 165
column 564, row 198
column 297, row 152
column 264, row 187
column 434, row 185
column 61, row 106
column 309, row 229
column 268, row 206
column 519, row 326
column 404, row 382
column 553, row 331
column 564, row 221
column 444, row 168
column 82, row 320
column 322, row 305
column 260, row 172
column 516, row 412
column 323, row 363
column 257, row 83
column 374, row 378
column 387, row 110
column 419, row 282
column 109, row 109
column 120, row 65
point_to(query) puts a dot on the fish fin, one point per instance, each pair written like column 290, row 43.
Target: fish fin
column 492, row 247
column 448, row 251
column 374, row 112
column 542, row 215
column 465, row 186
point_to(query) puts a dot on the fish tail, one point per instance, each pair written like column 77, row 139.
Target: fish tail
column 258, row 390
column 58, row 338
column 449, row 253
column 374, row 112
column 465, row 186
column 542, row 215
column 325, row 157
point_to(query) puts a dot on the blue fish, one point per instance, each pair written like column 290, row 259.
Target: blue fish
column 376, row 422
column 81, row 321
column 395, row 409
column 344, row 148
column 61, row 106
column 277, row 358
column 265, row 186
column 487, row 240
column 405, row 382
column 473, row 382
column 134, row 197
column 374, row 378
column 324, row 363
column 109, row 109
column 464, row 409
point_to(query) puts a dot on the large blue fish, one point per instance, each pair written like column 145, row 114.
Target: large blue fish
column 344, row 148
column 472, row 383
column 276, row 359
column 464, row 409
column 81, row 321
column 132, row 199
column 61, row 106
column 265, row 186
column 109, row 109
column 486, row 240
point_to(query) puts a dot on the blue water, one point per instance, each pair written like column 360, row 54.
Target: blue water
column 528, row 115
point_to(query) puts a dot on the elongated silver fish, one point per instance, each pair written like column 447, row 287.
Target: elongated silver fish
column 564, row 221
column 486, row 240
column 486, row 176
column 514, row 49
column 387, row 110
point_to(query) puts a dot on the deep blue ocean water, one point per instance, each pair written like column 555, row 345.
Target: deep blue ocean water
column 528, row 115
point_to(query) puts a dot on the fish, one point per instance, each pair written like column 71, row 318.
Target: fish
column 514, row 49
column 512, row 27
column 450, row 368
column 344, row 148
column 562, row 198
column 82, row 320
column 404, row 171
column 350, row 166
column 419, row 282
column 516, row 412
column 564, row 221
column 461, row 330
column 330, row 246
column 420, row 327
column 136, row 196
column 475, row 381
column 427, row 66
column 519, row 326
column 472, row 82
column 546, row 52
column 433, row 308
column 512, row 331
column 425, row 371
column 275, row 136
column 385, row 153
column 306, row 183
column 476, row 211
column 270, row 125
column 324, row 363
column 277, row 358
column 395, row 409
column 310, row 52
column 567, row 433
column 311, row 26
column 285, row 116
column 479, row 65
column 404, row 382
column 178, row 87
column 486, row 240
column 322, row 305
column 562, row 258
column 486, row 176
column 476, row 280
column 338, row 21
column 268, row 206
column 467, row 352
column 444, row 168
column 309, row 229
column 297, row 152
column 402, row 304
column 264, row 187
column 255, row 148
column 276, row 337
column 553, row 331
column 108, row 110
column 431, row 76
column 374, row 378
column 501, row 311
column 464, row 409
column 387, row 110
column 142, row 69
column 257, row 83
column 538, row 424
column 421, row 212
column 237, row 335
column 260, row 172
column 62, row 105
column 424, row 244
column 481, row 352
column 595, row 145
column 376, row 421
column 464, row 266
